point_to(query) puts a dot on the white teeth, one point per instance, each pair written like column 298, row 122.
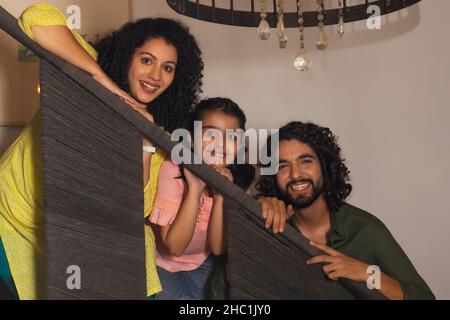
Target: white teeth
column 300, row 187
column 149, row 87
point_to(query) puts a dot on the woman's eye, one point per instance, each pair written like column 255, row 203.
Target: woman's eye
column 146, row 61
column 306, row 161
column 168, row 69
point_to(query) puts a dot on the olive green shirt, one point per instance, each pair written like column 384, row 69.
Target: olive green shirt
column 362, row 236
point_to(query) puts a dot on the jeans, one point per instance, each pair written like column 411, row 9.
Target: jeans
column 186, row 285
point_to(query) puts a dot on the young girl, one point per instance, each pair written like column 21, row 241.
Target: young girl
column 187, row 215
column 152, row 64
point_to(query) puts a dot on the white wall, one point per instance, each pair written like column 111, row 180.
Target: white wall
column 384, row 93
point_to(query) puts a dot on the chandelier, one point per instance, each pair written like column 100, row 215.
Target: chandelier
column 260, row 16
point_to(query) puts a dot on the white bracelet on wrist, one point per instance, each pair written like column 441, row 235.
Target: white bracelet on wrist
column 149, row 149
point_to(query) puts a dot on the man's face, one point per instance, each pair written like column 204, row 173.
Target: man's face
column 299, row 178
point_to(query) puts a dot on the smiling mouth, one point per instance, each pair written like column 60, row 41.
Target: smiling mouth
column 148, row 87
column 300, row 186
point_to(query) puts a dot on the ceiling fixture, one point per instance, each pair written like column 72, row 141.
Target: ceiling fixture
column 259, row 16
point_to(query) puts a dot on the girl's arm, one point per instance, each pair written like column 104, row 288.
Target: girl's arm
column 216, row 228
column 176, row 237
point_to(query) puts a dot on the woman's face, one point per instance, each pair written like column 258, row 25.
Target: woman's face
column 152, row 70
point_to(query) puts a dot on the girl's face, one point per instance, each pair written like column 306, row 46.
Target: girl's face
column 152, row 70
column 218, row 149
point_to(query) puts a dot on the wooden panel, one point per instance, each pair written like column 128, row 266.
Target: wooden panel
column 93, row 194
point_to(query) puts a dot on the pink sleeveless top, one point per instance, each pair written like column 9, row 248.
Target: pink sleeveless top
column 169, row 196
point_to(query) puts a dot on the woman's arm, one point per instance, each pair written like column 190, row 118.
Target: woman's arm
column 60, row 41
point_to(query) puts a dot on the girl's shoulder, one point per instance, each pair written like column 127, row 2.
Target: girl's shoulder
column 169, row 167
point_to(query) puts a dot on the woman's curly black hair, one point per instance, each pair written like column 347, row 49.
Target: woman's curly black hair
column 336, row 177
column 172, row 108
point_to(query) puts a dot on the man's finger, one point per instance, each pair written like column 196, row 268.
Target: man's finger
column 276, row 219
column 320, row 259
column 329, row 268
column 269, row 218
column 324, row 248
column 335, row 275
column 263, row 208
column 283, row 215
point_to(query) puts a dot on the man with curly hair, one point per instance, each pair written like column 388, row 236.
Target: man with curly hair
column 313, row 182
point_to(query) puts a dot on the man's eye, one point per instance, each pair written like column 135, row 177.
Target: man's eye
column 282, row 166
column 146, row 61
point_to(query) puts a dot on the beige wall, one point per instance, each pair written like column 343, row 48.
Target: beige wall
column 384, row 93
column 19, row 99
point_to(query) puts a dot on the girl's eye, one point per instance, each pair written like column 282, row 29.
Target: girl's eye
column 146, row 61
column 208, row 134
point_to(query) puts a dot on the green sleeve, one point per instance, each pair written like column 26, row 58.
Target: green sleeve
column 394, row 262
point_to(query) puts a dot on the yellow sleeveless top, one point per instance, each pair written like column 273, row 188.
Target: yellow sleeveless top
column 21, row 187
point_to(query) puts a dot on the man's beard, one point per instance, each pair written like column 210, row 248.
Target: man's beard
column 302, row 201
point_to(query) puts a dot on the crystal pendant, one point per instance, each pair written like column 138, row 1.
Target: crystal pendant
column 303, row 62
column 341, row 28
column 264, row 29
column 322, row 40
column 283, row 41
column 281, row 32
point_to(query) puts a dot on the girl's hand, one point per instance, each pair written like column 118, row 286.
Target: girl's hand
column 225, row 172
column 194, row 182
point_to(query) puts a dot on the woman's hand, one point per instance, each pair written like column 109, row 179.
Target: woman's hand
column 106, row 82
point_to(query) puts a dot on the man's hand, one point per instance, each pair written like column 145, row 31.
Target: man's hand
column 275, row 213
column 339, row 265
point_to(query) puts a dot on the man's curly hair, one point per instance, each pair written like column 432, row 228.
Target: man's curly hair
column 336, row 186
column 115, row 52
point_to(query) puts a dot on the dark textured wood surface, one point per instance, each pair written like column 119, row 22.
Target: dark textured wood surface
column 93, row 192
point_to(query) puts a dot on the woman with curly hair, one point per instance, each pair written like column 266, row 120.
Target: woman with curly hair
column 154, row 65
column 313, row 181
